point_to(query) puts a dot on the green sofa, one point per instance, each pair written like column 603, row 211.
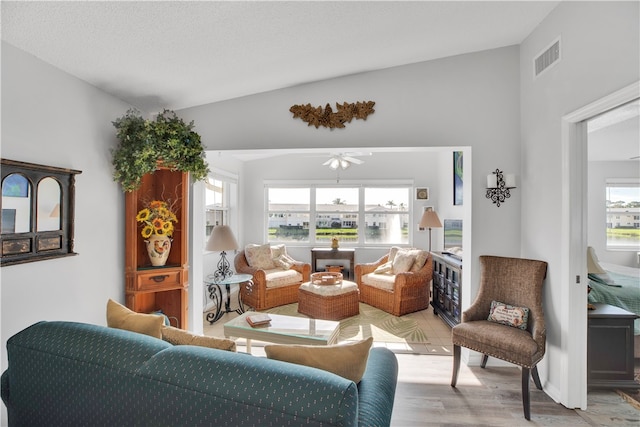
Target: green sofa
column 75, row 374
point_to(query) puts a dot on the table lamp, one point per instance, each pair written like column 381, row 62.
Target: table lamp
column 222, row 239
column 430, row 220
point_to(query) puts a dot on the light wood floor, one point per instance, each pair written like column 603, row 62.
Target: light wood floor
column 483, row 397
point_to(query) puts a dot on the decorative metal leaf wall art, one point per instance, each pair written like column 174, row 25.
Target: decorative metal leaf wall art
column 316, row 116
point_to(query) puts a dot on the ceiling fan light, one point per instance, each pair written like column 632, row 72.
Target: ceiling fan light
column 334, row 163
column 344, row 163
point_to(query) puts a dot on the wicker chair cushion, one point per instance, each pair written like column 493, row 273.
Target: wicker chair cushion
column 380, row 281
column 278, row 277
column 329, row 290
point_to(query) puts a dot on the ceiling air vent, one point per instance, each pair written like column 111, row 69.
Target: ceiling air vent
column 547, row 58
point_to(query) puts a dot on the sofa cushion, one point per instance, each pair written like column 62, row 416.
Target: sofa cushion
column 259, row 256
column 347, row 360
column 278, row 277
column 177, row 336
column 120, row 317
column 381, row 281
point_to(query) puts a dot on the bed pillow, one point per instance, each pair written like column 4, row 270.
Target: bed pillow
column 347, row 360
column 120, row 317
column 595, row 270
column 509, row 315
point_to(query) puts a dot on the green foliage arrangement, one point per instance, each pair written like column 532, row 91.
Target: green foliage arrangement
column 145, row 142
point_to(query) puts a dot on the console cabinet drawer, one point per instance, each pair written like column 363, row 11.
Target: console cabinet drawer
column 158, row 280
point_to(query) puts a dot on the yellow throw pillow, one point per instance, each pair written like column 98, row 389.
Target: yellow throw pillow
column 347, row 360
column 120, row 317
column 177, row 336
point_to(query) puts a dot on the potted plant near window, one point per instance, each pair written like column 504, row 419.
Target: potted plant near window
column 166, row 140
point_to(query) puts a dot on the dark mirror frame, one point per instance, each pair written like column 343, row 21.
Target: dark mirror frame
column 30, row 246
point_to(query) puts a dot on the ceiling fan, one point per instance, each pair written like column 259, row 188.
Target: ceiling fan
column 343, row 160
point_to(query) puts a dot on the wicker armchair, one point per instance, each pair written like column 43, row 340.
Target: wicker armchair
column 409, row 291
column 259, row 296
column 518, row 283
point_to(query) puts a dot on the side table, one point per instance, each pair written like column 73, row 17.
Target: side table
column 215, row 293
column 610, row 347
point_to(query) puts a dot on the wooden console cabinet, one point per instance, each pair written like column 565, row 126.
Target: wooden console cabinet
column 446, row 288
column 334, row 254
column 610, row 347
column 165, row 288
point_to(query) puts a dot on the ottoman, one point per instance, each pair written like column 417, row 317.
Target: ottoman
column 329, row 302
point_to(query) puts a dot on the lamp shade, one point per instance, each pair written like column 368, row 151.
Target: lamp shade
column 221, row 239
column 430, row 220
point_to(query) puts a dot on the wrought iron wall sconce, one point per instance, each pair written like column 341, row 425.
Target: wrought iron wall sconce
column 498, row 186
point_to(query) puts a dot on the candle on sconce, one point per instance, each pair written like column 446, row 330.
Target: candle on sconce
column 492, row 180
column 510, row 180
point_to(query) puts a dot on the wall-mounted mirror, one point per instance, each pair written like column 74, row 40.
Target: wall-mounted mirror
column 37, row 212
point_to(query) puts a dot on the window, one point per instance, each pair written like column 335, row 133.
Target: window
column 220, row 200
column 623, row 211
column 355, row 214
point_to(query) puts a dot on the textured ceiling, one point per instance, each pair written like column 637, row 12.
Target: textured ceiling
column 175, row 55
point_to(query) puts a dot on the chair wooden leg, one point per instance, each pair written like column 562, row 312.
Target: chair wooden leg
column 483, row 364
column 525, row 393
column 536, row 377
column 456, row 365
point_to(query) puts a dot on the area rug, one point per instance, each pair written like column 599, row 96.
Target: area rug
column 406, row 334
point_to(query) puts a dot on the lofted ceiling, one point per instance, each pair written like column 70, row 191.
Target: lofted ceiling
column 181, row 54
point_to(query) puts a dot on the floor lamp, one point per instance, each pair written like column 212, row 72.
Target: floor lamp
column 430, row 220
column 222, row 240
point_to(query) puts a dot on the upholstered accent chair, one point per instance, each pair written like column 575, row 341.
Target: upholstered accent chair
column 276, row 276
column 397, row 283
column 497, row 324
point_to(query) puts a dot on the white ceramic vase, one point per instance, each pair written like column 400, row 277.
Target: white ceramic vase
column 158, row 247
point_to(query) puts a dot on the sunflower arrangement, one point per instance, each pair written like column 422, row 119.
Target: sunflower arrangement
column 156, row 218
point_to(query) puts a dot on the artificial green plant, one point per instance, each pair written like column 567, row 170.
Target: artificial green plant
column 144, row 143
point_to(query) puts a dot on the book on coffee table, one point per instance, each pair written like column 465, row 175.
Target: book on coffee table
column 258, row 319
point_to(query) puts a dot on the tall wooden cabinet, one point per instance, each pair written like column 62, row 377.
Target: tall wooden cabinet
column 447, row 283
column 165, row 288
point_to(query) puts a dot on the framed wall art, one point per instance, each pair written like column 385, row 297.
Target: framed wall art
column 422, row 194
column 457, row 178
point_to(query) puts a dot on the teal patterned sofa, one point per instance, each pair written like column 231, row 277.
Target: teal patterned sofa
column 76, row 374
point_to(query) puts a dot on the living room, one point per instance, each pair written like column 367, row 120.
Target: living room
column 485, row 102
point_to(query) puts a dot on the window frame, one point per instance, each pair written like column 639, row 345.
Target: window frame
column 613, row 217
column 361, row 212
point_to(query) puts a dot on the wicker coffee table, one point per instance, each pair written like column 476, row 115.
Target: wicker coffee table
column 327, row 301
column 284, row 330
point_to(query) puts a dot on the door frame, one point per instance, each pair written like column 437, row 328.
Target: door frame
column 574, row 238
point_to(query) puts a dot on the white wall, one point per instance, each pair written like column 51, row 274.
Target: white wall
column 51, row 118
column 597, row 218
column 600, row 54
column 466, row 101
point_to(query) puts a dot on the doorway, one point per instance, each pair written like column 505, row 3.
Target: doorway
column 574, row 221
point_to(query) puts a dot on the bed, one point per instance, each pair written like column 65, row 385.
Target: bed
column 616, row 285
